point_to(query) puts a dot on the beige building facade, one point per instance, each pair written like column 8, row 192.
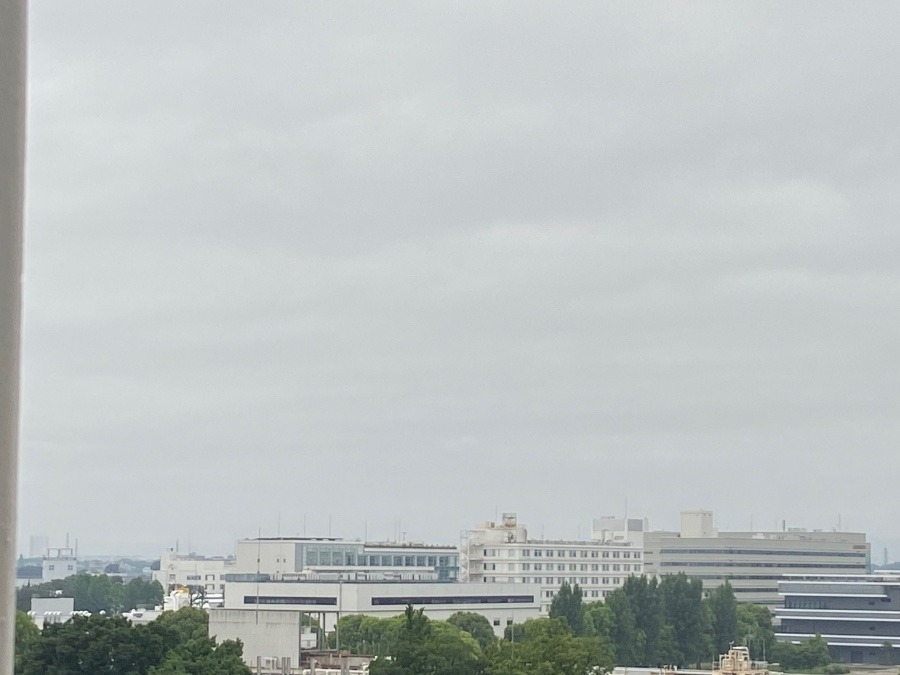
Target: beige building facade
column 752, row 562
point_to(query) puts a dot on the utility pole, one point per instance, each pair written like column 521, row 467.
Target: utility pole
column 12, row 201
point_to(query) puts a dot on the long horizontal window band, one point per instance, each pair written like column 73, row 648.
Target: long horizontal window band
column 759, row 551
column 704, row 563
column 456, row 600
column 739, row 577
column 287, row 600
column 752, row 589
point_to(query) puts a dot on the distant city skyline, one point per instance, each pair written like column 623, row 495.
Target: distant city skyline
column 203, row 545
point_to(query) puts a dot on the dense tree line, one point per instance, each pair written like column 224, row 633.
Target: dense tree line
column 176, row 643
column 645, row 622
column 649, row 622
column 95, row 593
column 413, row 644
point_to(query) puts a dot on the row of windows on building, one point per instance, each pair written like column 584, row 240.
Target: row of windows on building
column 562, row 567
column 338, row 558
column 804, row 565
column 757, row 551
column 551, row 553
column 558, row 581
column 587, row 594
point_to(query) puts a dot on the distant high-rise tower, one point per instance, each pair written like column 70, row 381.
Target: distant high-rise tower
column 37, row 546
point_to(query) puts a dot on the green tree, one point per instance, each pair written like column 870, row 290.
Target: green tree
column 423, row 647
column 667, row 649
column 178, row 627
column 566, row 604
column 360, row 634
column 808, row 655
column 176, row 642
column 90, row 592
column 626, row 638
column 723, row 608
column 27, row 634
column 886, row 657
column 684, row 610
column 644, row 598
column 754, row 630
column 475, row 625
column 598, row 621
column 201, row 656
column 549, row 648
column 90, row 645
column 139, row 593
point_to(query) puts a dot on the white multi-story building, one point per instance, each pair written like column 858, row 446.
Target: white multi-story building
column 59, row 563
column 298, row 558
column 752, row 562
column 190, row 570
column 503, row 553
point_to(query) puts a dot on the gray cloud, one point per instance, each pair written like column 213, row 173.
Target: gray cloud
column 421, row 262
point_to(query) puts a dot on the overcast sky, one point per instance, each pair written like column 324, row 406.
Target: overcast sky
column 424, row 262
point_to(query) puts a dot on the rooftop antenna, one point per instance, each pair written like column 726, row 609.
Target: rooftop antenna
column 278, row 527
column 304, row 524
column 258, row 556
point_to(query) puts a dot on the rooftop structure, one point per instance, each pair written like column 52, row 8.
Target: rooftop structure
column 296, row 558
column 59, row 564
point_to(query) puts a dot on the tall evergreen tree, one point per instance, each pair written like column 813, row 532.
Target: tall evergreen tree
column 643, row 596
column 723, row 608
column 567, row 604
column 685, row 611
column 626, row 638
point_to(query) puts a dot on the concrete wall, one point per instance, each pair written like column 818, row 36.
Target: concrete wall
column 265, row 633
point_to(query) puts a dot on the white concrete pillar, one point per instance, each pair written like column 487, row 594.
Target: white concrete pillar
column 12, row 199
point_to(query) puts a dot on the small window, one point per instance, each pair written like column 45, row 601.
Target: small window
column 496, row 622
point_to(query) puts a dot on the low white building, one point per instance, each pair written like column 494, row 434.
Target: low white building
column 59, row 563
column 190, row 570
column 502, row 553
column 51, row 610
column 266, row 615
